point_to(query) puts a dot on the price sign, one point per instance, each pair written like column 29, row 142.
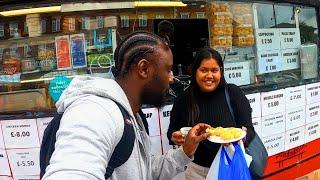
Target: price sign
column 295, row 117
column 156, row 148
column 312, row 131
column 1, row 139
column 237, row 73
column 257, row 125
column 4, row 164
column 295, row 96
column 274, row 144
column 290, row 58
column 273, row 124
column 294, row 138
column 313, row 92
column 165, row 118
column 26, row 177
column 312, row 112
column 267, row 39
column 20, row 133
column 290, row 38
column 255, row 104
column 153, row 121
column 273, row 102
column 42, row 124
column 269, row 61
column 24, row 161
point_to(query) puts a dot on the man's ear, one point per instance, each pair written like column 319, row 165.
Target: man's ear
column 144, row 68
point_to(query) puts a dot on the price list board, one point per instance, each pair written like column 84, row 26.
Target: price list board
column 313, row 93
column 273, row 102
column 237, row 73
column 274, row 144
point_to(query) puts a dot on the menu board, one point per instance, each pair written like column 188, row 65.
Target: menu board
column 4, row 164
column 313, row 93
column 294, row 138
column 272, row 124
column 273, row 102
column 295, row 96
column 255, row 104
column 290, row 59
column 267, row 39
column 63, row 52
column 165, row 118
column 290, row 38
column 274, row 144
column 237, row 73
column 269, row 61
column 152, row 117
column 78, row 50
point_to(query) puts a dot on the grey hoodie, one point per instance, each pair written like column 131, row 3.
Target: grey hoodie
column 91, row 127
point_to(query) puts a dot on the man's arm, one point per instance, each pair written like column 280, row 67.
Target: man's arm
column 85, row 141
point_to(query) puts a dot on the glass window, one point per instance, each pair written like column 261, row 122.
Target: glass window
column 200, row 15
column 285, row 16
column 308, row 24
column 100, row 21
column 1, row 29
column 72, row 24
column 143, row 22
column 85, row 23
column 56, row 25
column 124, row 21
column 13, row 28
column 184, row 15
column 265, row 15
column 43, row 26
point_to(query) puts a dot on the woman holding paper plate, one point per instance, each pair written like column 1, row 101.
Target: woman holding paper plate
column 205, row 101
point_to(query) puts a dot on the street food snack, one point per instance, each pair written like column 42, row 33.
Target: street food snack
column 225, row 135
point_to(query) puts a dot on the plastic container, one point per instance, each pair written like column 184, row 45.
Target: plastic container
column 222, row 30
column 222, row 18
column 245, row 29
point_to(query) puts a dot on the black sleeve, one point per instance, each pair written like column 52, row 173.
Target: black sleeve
column 242, row 110
column 177, row 120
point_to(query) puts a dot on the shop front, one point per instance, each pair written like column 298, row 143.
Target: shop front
column 270, row 50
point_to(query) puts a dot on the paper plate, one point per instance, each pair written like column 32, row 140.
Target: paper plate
column 217, row 139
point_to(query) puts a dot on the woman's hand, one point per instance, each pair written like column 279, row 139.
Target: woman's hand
column 177, row 138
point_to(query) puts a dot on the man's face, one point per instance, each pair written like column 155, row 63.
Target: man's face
column 155, row 89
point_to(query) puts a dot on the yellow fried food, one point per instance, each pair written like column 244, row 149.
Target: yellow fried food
column 224, row 133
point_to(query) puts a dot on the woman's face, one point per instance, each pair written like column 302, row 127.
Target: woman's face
column 208, row 75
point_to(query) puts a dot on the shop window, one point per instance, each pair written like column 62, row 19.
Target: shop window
column 143, row 21
column 85, row 23
column 184, row 15
column 285, row 16
column 72, row 24
column 200, row 15
column 1, row 29
column 124, row 21
column 159, row 16
column 13, row 28
column 308, row 24
column 100, row 21
column 43, row 26
column 56, row 25
column 265, row 15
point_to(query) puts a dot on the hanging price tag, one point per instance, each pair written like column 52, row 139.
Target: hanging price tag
column 20, row 133
column 295, row 117
column 237, row 73
column 24, row 161
column 42, row 124
column 312, row 112
column 295, row 96
column 153, row 121
column 272, row 124
column 273, row 102
column 4, row 164
column 290, row 38
column 312, row 131
column 274, row 144
column 165, row 118
column 313, row 93
column 294, row 138
column 255, row 104
column 290, row 59
column 269, row 61
column 267, row 39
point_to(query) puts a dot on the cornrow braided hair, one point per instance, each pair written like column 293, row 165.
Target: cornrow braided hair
column 134, row 47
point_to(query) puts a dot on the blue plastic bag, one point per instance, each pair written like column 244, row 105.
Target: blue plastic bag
column 235, row 168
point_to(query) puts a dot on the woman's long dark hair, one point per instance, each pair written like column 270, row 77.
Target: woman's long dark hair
column 193, row 90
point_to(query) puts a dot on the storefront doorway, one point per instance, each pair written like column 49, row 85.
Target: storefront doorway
column 185, row 37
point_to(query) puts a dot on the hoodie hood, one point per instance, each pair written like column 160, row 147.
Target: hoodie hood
column 84, row 86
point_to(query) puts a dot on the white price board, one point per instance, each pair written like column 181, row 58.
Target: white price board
column 313, row 93
column 255, row 104
column 153, row 121
column 267, row 39
column 312, row 131
column 1, row 139
column 26, row 177
column 290, row 59
column 165, row 118
column 237, row 73
column 295, row 117
column 294, row 138
column 269, row 61
column 274, row 144
column 20, row 133
column 165, row 143
column 156, row 148
column 295, row 96
column 42, row 124
column 312, row 112
column 273, row 102
column 273, row 124
column 257, row 125
column 24, row 161
column 4, row 164
column 290, row 38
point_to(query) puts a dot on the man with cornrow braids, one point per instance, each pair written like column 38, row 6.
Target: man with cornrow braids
column 92, row 124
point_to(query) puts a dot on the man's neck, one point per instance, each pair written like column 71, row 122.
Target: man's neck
column 131, row 93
